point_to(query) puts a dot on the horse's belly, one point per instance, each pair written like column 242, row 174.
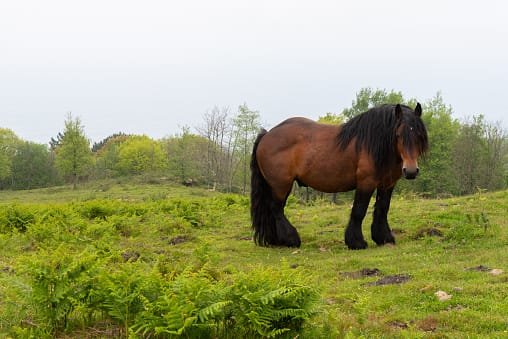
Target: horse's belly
column 336, row 179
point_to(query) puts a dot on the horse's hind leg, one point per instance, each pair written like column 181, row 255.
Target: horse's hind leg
column 354, row 237
column 380, row 230
column 287, row 235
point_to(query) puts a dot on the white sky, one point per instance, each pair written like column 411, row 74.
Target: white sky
column 151, row 67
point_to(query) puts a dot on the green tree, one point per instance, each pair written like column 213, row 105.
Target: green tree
column 479, row 155
column 246, row 127
column 216, row 130
column 33, row 167
column 107, row 155
column 140, row 154
column 496, row 138
column 437, row 166
column 8, row 144
column 97, row 146
column 367, row 98
column 332, row 119
column 187, row 156
column 73, row 154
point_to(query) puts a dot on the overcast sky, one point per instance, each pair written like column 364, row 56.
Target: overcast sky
column 151, row 67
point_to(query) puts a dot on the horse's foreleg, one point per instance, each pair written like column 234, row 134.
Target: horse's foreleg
column 354, row 237
column 380, row 230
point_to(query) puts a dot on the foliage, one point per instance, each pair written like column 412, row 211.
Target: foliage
column 16, row 218
column 330, row 118
column 98, row 146
column 186, row 154
column 60, row 283
column 140, row 154
column 107, row 155
column 217, row 131
column 262, row 303
column 367, row 98
column 8, row 146
column 437, row 165
column 246, row 125
column 33, row 167
column 479, row 155
column 120, row 292
column 73, row 155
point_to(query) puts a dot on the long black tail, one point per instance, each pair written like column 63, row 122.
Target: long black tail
column 263, row 220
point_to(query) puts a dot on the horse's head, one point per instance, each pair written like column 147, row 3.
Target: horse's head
column 411, row 138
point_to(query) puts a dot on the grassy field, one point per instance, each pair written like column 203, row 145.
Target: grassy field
column 119, row 240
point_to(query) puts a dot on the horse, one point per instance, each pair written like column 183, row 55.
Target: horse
column 368, row 153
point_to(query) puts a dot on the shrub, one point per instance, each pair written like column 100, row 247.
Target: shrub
column 96, row 209
column 121, row 290
column 261, row 302
column 16, row 217
column 60, row 283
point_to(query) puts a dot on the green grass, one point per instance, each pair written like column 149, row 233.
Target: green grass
column 169, row 229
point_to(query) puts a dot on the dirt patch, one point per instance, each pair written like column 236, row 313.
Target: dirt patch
column 428, row 232
column 364, row 272
column 8, row 269
column 391, row 280
column 479, row 268
column 457, row 307
column 131, row 256
column 100, row 330
column 398, row 231
column 428, row 324
column 249, row 238
column 398, row 324
column 179, row 239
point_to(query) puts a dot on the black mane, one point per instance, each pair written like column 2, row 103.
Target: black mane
column 375, row 131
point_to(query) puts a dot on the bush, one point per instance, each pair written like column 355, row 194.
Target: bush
column 60, row 282
column 96, row 209
column 16, row 217
column 261, row 302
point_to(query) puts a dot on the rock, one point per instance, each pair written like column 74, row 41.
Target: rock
column 443, row 296
column 496, row 271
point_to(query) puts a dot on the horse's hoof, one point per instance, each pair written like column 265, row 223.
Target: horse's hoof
column 294, row 243
column 358, row 245
column 385, row 240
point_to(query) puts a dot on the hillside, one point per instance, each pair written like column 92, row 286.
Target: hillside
column 102, row 260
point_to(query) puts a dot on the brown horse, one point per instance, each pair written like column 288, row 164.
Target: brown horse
column 370, row 152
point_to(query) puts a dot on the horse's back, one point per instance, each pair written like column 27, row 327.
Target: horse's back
column 295, row 133
column 307, row 151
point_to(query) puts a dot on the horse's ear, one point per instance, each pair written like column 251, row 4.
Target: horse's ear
column 418, row 110
column 398, row 112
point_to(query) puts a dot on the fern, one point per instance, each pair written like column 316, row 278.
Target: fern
column 60, row 283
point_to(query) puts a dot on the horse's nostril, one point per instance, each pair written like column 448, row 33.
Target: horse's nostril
column 404, row 170
column 417, row 170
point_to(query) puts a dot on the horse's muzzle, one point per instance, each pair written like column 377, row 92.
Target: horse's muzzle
column 410, row 173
